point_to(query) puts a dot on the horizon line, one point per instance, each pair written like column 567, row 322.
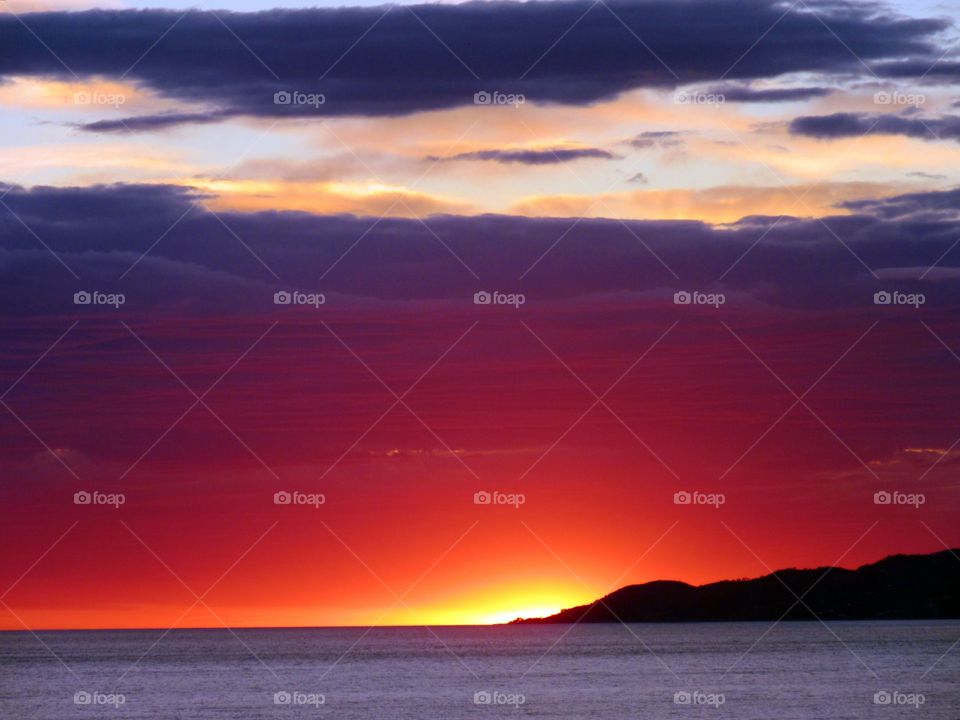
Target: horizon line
column 458, row 625
column 949, row 550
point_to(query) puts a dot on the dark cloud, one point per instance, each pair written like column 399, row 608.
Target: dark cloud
column 400, row 66
column 400, row 299
column 930, row 70
column 657, row 138
column 943, row 204
column 843, row 125
column 749, row 95
column 153, row 122
column 199, row 290
column 167, row 252
column 532, row 157
column 150, row 206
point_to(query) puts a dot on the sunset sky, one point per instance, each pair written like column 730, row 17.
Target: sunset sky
column 788, row 160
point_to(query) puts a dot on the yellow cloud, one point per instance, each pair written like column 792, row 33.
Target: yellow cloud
column 95, row 94
column 723, row 204
column 358, row 198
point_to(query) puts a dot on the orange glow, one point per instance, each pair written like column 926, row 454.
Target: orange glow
column 716, row 204
column 359, row 198
column 94, row 95
column 499, row 605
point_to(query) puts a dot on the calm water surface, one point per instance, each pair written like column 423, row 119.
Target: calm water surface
column 722, row 670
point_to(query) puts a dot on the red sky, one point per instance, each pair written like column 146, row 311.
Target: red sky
column 598, row 511
column 802, row 164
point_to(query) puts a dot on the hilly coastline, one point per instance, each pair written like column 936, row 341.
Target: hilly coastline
column 899, row 587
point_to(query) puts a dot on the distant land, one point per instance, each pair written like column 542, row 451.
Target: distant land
column 900, row 587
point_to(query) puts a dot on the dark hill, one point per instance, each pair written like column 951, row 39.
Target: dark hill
column 899, row 587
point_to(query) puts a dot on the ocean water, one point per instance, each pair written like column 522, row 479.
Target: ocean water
column 737, row 670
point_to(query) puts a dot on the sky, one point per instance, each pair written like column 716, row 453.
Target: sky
column 453, row 313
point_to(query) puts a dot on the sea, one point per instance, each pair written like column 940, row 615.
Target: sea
column 802, row 670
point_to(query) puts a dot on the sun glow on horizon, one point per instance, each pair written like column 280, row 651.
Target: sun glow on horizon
column 505, row 616
column 498, row 605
